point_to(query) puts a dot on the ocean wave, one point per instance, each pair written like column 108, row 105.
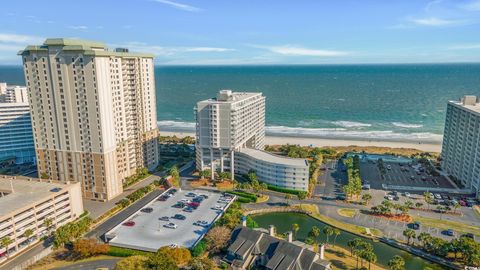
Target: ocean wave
column 351, row 124
column 326, row 133
column 406, row 125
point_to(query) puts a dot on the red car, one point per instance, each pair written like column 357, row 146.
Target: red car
column 194, row 204
column 129, row 223
column 462, row 203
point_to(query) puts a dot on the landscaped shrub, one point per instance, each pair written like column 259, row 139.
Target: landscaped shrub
column 199, row 248
column 284, row 190
column 244, row 196
column 125, row 252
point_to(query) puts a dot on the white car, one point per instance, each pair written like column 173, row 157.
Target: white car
column 186, row 200
column 389, row 197
column 170, row 225
column 217, row 207
column 407, row 194
column 438, row 196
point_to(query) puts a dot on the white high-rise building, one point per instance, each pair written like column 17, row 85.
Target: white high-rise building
column 16, row 137
column 461, row 142
column 93, row 113
column 230, row 136
column 13, row 93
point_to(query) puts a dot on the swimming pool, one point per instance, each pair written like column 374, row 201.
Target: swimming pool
column 376, row 157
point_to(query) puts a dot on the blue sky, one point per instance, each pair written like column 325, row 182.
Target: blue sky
column 209, row 32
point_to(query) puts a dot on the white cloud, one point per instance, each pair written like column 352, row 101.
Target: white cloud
column 471, row 46
column 78, row 27
column 167, row 51
column 18, row 39
column 291, row 50
column 208, row 49
column 432, row 21
column 179, row 5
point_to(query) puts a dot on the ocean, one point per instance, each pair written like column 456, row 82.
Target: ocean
column 366, row 102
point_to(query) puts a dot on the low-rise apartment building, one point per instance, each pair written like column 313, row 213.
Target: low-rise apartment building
column 36, row 205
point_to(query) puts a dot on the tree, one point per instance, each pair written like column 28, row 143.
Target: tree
column 396, row 263
column 180, row 256
column 366, row 198
column 27, row 234
column 199, row 248
column 409, row 204
column 328, row 231
column 455, row 207
column 5, row 242
column 252, row 176
column 48, row 223
column 204, row 263
column 288, row 197
column 89, row 247
column 441, row 210
column 175, row 175
column 136, row 262
column 428, row 198
column 369, row 256
column 314, row 233
column 409, row 234
column 160, row 261
column 353, row 244
column 302, row 195
column 336, row 232
column 425, row 238
column 418, row 205
column 218, row 237
column 295, row 228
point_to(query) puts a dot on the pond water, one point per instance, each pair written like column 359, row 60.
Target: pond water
column 376, row 157
column 283, row 223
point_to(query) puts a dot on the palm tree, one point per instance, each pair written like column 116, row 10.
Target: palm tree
column 328, row 231
column 288, row 197
column 27, row 234
column 455, row 207
column 425, row 238
column 336, row 232
column 409, row 233
column 48, row 222
column 428, row 198
column 295, row 228
column 5, row 242
column 409, row 204
column 369, row 256
column 314, row 234
column 366, row 198
column 396, row 263
column 354, row 243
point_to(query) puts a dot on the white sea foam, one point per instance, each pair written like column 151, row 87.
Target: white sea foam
column 327, row 133
column 351, row 124
column 406, row 125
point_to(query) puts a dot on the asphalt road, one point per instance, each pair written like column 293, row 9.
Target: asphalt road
column 91, row 265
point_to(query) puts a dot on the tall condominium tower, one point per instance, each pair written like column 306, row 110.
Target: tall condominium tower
column 230, row 135
column 93, row 113
column 227, row 123
column 461, row 148
column 16, row 138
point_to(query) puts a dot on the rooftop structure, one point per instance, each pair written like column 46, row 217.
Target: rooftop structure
column 460, row 150
column 93, row 113
column 256, row 248
column 26, row 204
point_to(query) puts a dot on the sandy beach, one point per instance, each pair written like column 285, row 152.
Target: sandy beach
column 319, row 142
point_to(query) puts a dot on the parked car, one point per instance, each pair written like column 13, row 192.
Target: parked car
column 178, row 205
column 449, row 232
column 366, row 187
column 204, row 196
column 179, row 217
column 462, row 203
column 162, row 198
column 147, row 210
column 389, row 197
column 188, row 209
column 129, row 223
column 185, row 200
column 170, row 225
column 468, row 235
column 201, row 223
column 437, row 196
column 415, row 225
column 191, row 194
column 198, row 199
column 407, row 194
column 194, row 204
column 164, row 218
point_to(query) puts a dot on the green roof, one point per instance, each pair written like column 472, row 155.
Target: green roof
column 92, row 48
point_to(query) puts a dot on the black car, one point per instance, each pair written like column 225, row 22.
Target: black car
column 165, row 218
column 198, row 199
column 415, row 225
column 147, row 210
column 179, row 217
column 468, row 235
column 178, row 205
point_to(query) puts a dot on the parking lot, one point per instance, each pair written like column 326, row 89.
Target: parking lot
column 147, row 229
column 397, row 174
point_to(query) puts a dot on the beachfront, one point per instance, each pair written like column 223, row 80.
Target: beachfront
column 319, row 142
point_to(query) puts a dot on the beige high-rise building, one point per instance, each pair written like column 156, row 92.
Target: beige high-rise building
column 93, row 113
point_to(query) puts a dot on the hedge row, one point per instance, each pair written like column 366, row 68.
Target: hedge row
column 243, row 194
column 284, row 190
column 125, row 252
